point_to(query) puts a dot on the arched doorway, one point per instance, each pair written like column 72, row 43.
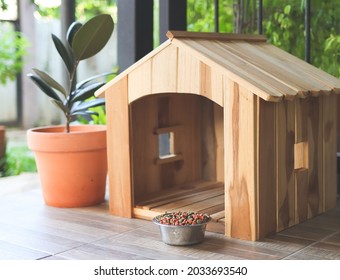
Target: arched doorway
column 177, row 155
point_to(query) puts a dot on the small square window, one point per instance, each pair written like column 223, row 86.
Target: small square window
column 166, row 144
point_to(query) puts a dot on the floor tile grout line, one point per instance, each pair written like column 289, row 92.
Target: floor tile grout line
column 311, row 244
column 93, row 241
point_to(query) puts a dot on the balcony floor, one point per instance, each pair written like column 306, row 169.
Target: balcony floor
column 31, row 230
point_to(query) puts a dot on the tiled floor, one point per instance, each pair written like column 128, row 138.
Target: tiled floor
column 31, row 230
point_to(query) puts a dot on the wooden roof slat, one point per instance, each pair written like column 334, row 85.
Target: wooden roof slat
column 267, row 91
column 215, row 36
column 264, row 69
column 277, row 68
column 308, row 69
column 288, row 90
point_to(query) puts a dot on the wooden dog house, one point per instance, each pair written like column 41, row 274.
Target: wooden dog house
column 249, row 133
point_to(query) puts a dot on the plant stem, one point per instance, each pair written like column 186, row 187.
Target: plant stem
column 70, row 96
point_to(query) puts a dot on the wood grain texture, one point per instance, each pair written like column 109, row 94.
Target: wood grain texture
column 188, row 72
column 155, row 113
column 212, row 85
column 285, row 137
column 329, row 143
column 139, row 81
column 312, row 72
column 234, row 69
column 118, row 139
column 309, row 129
column 144, row 141
column 240, row 158
column 164, row 70
column 200, row 196
column 215, row 36
column 212, row 141
column 279, row 69
column 266, row 168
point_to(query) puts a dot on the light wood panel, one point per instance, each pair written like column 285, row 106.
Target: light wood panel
column 164, row 70
column 139, row 81
column 266, row 168
column 278, row 69
column 212, row 141
column 118, row 139
column 329, row 142
column 183, row 114
column 309, row 129
column 285, row 137
column 188, row 73
column 312, row 72
column 212, row 85
column 215, row 36
column 240, row 158
column 144, row 141
column 200, row 196
column 206, row 53
column 245, row 62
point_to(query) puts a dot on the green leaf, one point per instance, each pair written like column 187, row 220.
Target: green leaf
column 50, row 81
column 88, row 104
column 72, row 30
column 44, row 87
column 287, row 9
column 64, row 53
column 87, row 92
column 92, row 36
column 86, row 81
column 86, row 114
column 61, row 106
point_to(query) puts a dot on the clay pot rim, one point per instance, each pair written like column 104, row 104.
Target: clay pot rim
column 56, row 139
column 75, row 129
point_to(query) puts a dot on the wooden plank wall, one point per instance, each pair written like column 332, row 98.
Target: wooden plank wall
column 183, row 114
column 309, row 182
column 329, row 142
column 285, row 123
column 212, row 141
column 297, row 193
column 240, row 158
column 266, row 168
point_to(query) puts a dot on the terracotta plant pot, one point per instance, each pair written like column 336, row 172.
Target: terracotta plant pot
column 72, row 166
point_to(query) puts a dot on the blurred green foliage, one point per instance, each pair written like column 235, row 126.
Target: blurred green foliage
column 85, row 9
column 12, row 49
column 283, row 25
column 18, row 159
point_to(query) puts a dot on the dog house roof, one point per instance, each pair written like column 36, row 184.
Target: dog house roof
column 249, row 60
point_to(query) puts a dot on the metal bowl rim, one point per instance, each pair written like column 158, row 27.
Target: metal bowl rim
column 179, row 226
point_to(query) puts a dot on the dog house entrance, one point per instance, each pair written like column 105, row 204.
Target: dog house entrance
column 178, row 156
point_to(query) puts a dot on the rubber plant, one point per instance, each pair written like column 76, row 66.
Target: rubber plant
column 82, row 42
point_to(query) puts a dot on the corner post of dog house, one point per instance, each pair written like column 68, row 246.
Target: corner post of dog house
column 118, row 150
column 240, row 162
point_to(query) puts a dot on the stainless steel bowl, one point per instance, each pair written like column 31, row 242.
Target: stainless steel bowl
column 181, row 235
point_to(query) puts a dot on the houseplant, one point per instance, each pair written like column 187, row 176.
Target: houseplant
column 182, row 228
column 71, row 159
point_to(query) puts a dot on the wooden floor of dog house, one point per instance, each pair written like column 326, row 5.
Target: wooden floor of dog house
column 202, row 196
